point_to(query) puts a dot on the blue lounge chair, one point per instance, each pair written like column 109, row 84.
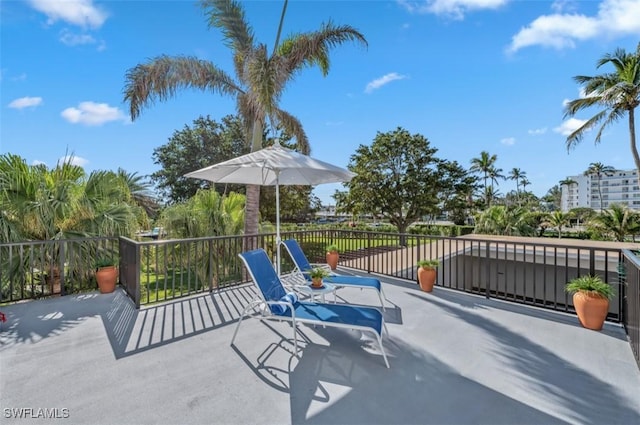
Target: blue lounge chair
column 302, row 265
column 276, row 304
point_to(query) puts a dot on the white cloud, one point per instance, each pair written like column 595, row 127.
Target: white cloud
column 38, row 162
column 615, row 18
column 569, row 126
column 455, row 9
column 385, row 79
column 560, row 6
column 25, row 102
column 70, row 39
column 82, row 13
column 508, row 141
column 74, row 160
column 91, row 113
column 537, row 131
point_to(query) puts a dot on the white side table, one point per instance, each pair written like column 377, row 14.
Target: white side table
column 326, row 288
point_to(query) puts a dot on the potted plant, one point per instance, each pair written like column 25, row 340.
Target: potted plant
column 106, row 274
column 316, row 274
column 591, row 297
column 332, row 256
column 427, row 274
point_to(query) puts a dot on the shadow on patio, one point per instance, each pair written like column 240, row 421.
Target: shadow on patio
column 455, row 359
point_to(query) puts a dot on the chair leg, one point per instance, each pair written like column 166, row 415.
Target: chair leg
column 244, row 312
column 295, row 337
column 384, row 355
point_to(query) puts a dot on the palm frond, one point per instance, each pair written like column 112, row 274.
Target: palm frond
column 312, row 49
column 293, row 126
column 161, row 77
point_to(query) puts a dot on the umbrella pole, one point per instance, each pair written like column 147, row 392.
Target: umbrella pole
column 278, row 240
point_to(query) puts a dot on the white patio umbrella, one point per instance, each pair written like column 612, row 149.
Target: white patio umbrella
column 273, row 166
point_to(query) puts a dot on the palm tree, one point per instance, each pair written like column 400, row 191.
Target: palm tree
column 558, row 220
column 517, row 175
column 260, row 77
column 599, row 169
column 38, row 203
column 618, row 93
column 502, row 220
column 619, row 221
column 485, row 165
column 524, row 182
column 567, row 182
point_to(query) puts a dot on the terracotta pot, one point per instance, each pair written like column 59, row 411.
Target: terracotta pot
column 332, row 259
column 426, row 278
column 591, row 309
column 316, row 281
column 53, row 281
column 107, row 278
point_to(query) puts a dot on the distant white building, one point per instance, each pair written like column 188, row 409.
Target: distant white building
column 621, row 187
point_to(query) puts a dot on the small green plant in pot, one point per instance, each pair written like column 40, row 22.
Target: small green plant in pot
column 317, row 274
column 106, row 274
column 332, row 256
column 427, row 274
column 591, row 297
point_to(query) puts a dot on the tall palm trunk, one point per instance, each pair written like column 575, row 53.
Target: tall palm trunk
column 252, row 206
column 632, row 138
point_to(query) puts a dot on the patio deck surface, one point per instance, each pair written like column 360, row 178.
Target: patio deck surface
column 455, row 359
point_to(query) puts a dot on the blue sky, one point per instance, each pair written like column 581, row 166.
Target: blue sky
column 470, row 75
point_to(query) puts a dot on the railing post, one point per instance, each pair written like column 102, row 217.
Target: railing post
column 61, row 267
column 592, row 262
column 369, row 251
column 487, row 269
column 211, row 265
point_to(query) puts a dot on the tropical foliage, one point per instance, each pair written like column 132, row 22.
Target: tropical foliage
column 503, row 220
column 42, row 204
column 558, row 220
column 260, row 77
column 616, row 223
column 207, row 213
column 64, row 202
column 617, row 93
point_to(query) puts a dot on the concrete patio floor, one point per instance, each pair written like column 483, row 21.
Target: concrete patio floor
column 455, row 359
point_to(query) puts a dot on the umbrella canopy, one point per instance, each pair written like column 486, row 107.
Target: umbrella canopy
column 273, row 166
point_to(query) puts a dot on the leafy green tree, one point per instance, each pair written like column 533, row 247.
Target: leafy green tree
column 617, row 92
column 208, row 142
column 457, row 184
column 617, row 222
column 205, row 142
column 599, row 169
column 260, row 78
column 485, row 165
column 399, row 178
